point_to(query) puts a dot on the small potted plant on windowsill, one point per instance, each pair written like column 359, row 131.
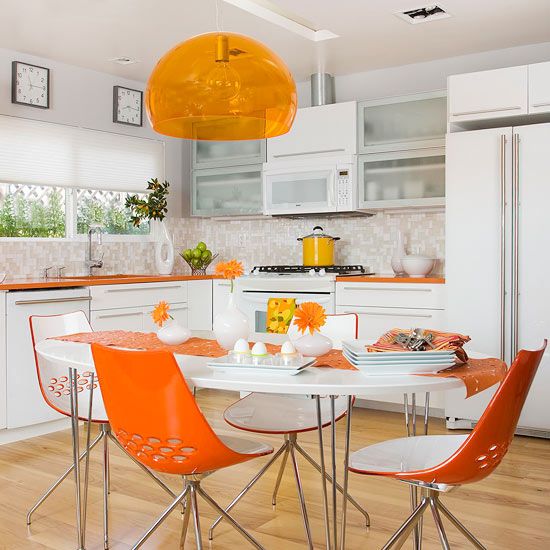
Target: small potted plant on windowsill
column 154, row 209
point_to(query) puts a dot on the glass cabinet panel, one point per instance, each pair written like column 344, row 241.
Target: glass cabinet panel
column 214, row 154
column 404, row 123
column 227, row 191
column 402, row 179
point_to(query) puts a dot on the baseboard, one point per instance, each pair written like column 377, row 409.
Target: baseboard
column 466, row 424
column 26, row 432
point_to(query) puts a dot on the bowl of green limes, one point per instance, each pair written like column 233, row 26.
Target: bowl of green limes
column 198, row 258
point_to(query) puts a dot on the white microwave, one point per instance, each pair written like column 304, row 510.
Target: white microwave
column 311, row 186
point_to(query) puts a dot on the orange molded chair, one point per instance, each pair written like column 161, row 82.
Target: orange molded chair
column 54, row 385
column 439, row 463
column 156, row 419
column 290, row 415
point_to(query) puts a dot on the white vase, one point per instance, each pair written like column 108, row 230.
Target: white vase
column 172, row 333
column 398, row 253
column 230, row 325
column 313, row 345
column 164, row 248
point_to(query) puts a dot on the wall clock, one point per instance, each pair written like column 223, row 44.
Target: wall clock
column 127, row 106
column 30, row 85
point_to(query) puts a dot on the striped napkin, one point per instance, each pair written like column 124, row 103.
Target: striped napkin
column 440, row 341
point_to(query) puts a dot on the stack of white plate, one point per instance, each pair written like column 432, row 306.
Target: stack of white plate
column 395, row 362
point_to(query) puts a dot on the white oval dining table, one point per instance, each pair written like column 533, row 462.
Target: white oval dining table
column 313, row 381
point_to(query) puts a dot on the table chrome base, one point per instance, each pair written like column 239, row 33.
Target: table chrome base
column 289, row 448
column 430, row 499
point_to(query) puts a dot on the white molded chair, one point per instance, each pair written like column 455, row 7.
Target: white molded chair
column 54, row 384
column 289, row 416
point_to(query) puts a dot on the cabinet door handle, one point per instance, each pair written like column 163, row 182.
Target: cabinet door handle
column 172, row 308
column 309, row 153
column 165, row 287
column 110, row 315
column 502, row 246
column 381, row 314
column 53, row 300
column 391, row 289
column 545, row 104
column 481, row 111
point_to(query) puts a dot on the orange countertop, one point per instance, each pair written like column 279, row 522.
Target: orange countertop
column 53, row 282
column 391, row 279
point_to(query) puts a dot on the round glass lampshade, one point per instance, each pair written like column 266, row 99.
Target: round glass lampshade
column 221, row 86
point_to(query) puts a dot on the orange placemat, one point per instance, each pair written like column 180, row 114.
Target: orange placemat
column 477, row 374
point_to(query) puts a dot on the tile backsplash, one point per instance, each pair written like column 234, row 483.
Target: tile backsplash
column 364, row 240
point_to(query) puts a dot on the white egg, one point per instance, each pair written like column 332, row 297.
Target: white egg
column 241, row 346
column 259, row 349
column 288, row 348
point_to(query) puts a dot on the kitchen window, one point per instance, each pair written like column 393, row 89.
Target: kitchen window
column 57, row 180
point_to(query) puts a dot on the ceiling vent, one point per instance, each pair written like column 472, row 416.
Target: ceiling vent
column 123, row 60
column 423, row 14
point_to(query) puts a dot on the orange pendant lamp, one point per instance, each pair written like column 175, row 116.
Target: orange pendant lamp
column 221, row 86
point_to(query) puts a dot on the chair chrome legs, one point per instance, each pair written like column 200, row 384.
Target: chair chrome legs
column 281, row 470
column 249, row 486
column 460, row 527
column 106, row 490
column 191, row 489
column 431, row 499
column 66, row 474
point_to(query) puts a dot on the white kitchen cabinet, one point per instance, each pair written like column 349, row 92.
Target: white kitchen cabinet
column 403, row 179
column 221, row 290
column 3, row 356
column 129, row 318
column 539, row 88
column 488, row 94
column 200, row 305
column 402, row 123
column 230, row 191
column 326, row 130
column 217, row 154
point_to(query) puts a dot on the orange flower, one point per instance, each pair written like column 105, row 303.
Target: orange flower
column 230, row 270
column 309, row 316
column 160, row 313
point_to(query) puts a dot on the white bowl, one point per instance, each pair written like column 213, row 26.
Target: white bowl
column 417, row 266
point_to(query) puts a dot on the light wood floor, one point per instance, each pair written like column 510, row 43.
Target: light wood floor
column 510, row 510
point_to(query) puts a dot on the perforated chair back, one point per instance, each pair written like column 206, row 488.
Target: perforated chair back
column 154, row 415
column 338, row 327
column 53, row 377
column 489, row 441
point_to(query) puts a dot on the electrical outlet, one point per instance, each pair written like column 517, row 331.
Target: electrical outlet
column 243, row 240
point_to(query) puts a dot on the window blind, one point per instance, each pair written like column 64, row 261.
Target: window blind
column 45, row 153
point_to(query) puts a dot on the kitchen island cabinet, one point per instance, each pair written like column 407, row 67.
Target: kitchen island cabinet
column 3, row 353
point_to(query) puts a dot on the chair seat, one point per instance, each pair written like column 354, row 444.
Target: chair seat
column 407, row 454
column 245, row 446
column 278, row 414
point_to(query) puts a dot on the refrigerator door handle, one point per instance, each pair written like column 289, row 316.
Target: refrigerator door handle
column 515, row 244
column 502, row 246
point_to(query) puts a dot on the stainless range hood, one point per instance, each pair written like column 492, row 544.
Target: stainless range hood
column 322, row 89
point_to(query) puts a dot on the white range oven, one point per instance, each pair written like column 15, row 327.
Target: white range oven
column 254, row 291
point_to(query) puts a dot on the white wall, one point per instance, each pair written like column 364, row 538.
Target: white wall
column 423, row 77
column 82, row 97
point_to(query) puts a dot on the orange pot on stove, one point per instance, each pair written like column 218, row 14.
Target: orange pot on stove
column 318, row 248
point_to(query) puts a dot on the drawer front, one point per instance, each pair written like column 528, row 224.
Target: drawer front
column 137, row 295
column 398, row 295
column 375, row 321
column 130, row 318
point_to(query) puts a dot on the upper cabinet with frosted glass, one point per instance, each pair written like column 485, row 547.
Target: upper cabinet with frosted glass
column 401, row 142
column 415, row 121
column 220, row 154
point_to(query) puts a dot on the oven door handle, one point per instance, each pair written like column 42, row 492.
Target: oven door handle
column 263, row 301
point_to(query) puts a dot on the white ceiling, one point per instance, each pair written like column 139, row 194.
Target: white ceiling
column 89, row 32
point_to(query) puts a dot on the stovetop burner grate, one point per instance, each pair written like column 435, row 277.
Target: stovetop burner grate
column 338, row 269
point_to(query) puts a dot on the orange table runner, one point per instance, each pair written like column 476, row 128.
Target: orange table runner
column 477, row 374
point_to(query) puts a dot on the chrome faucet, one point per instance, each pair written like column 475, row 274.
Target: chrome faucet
column 90, row 262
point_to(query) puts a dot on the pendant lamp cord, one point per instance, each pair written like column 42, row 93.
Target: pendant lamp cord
column 219, row 21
